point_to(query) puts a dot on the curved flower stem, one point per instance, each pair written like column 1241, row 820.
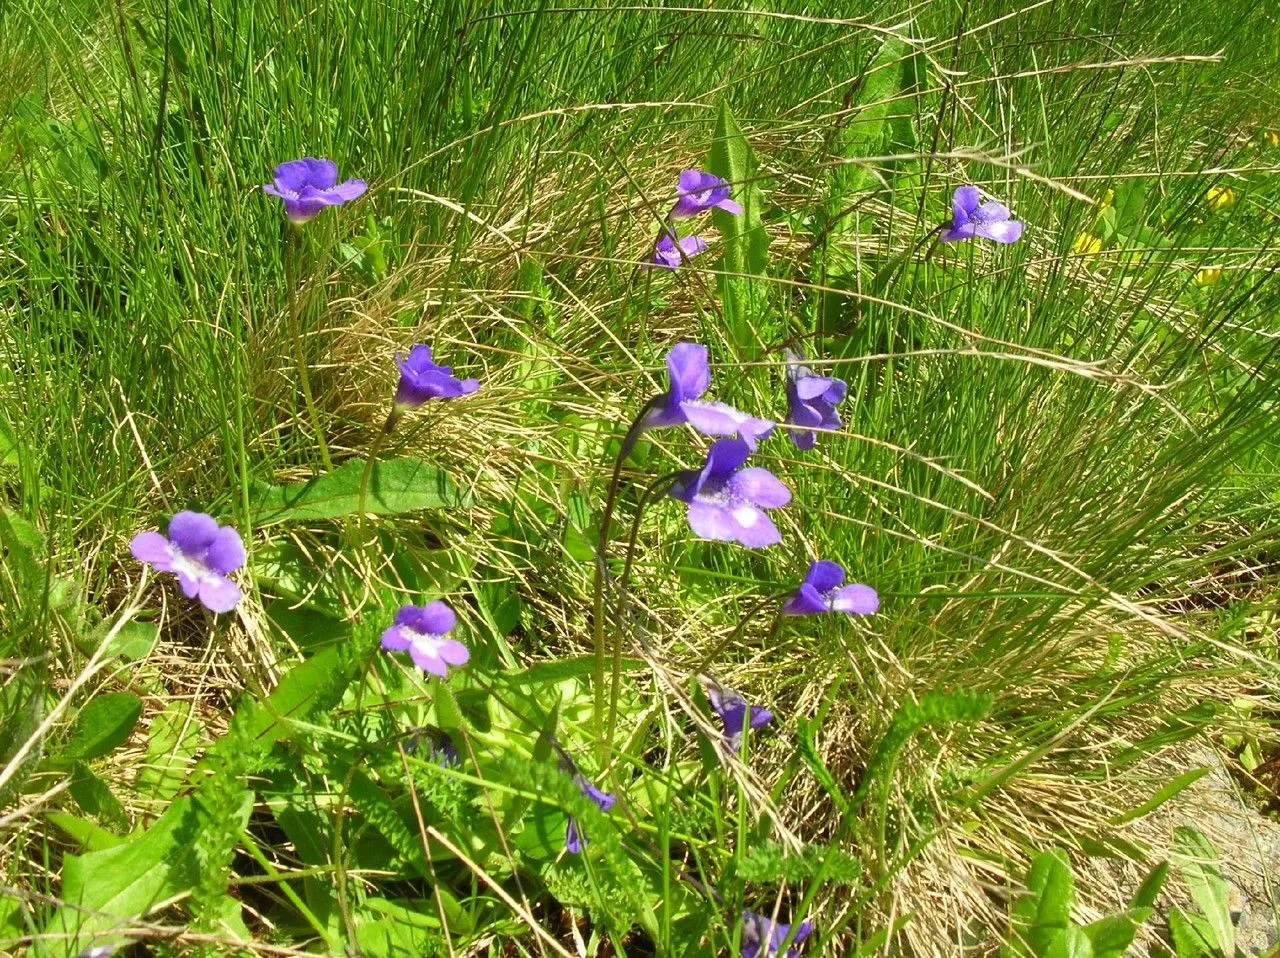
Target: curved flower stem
column 601, row 563
column 291, row 239
column 741, row 627
column 374, row 449
column 655, row 489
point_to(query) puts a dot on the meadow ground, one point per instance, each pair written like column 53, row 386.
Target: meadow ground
column 1056, row 466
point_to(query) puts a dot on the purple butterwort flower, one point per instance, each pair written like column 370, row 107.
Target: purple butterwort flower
column 700, row 191
column 727, row 502
column 667, row 256
column 438, row 745
column 811, row 401
column 733, row 711
column 421, row 379
column 821, row 592
column 574, row 839
column 762, row 937
column 97, row 951
column 309, row 185
column 689, row 377
column 971, row 217
column 200, row 553
column 420, row 631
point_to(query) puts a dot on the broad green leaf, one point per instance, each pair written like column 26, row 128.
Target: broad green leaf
column 1196, row 860
column 1163, row 795
column 104, row 723
column 1069, row 942
column 1043, row 914
column 134, row 641
column 746, row 244
column 116, row 886
column 866, row 132
column 395, row 486
column 172, row 741
column 95, row 798
column 83, row 832
column 1112, row 936
column 1193, row 937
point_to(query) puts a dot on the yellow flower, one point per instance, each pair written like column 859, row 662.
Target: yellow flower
column 1220, row 197
column 1271, row 137
column 1209, row 276
column 1086, row 244
column 1107, row 199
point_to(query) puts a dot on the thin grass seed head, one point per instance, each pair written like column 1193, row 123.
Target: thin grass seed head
column 308, row 185
column 574, row 838
column 421, row 379
column 822, row 591
column 735, row 714
column 422, row 632
column 700, row 191
column 727, row 502
column 811, row 401
column 667, row 256
column 689, row 376
column 971, row 218
column 200, row 553
column 762, row 938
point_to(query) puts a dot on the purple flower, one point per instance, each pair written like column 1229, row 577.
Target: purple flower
column 821, row 592
column 421, row 631
column 421, row 379
column 200, row 553
column 667, row 256
column 700, row 191
column 727, row 502
column 309, row 185
column 574, row 839
column 811, row 401
column 762, row 937
column 439, row 746
column 733, row 711
column 689, row 378
column 971, row 217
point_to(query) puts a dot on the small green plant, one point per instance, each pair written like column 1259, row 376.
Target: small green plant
column 1209, row 932
column 1041, row 922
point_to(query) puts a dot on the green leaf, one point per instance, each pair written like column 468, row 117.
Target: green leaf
column 746, row 244
column 134, row 641
column 83, row 832
column 1112, row 936
column 94, row 796
column 1165, row 793
column 109, row 888
column 555, row 671
column 1196, row 860
column 104, row 723
column 865, row 133
column 1042, row 915
column 1149, row 890
column 1070, row 942
column 1192, row 935
column 173, row 739
column 395, row 486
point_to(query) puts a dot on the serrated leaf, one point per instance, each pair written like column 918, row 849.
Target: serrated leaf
column 104, row 723
column 395, row 486
column 1196, row 860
